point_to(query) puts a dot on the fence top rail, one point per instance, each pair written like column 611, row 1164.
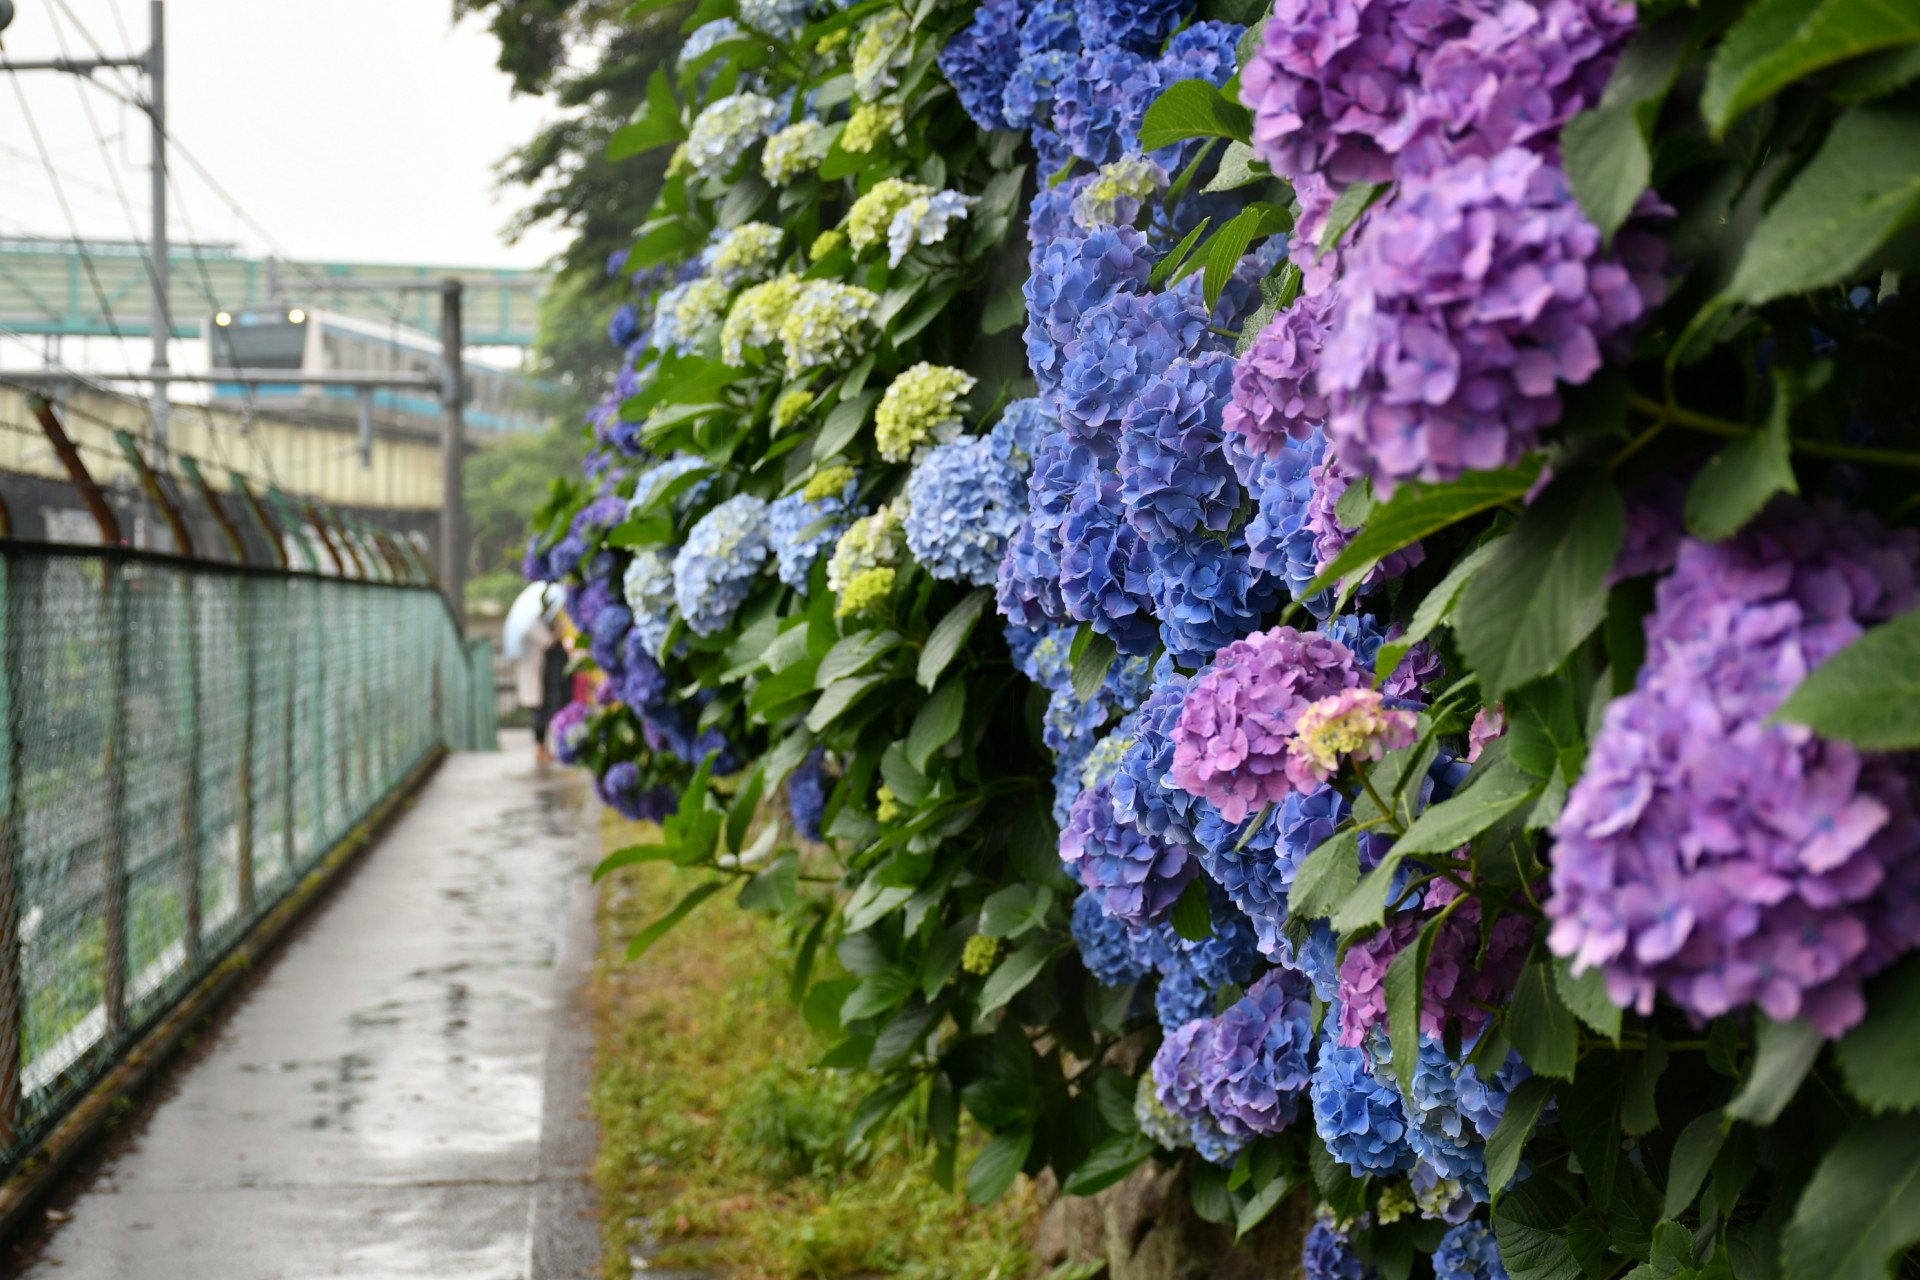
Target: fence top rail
column 17, row 548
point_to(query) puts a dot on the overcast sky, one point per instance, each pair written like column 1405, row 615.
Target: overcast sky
column 352, row 130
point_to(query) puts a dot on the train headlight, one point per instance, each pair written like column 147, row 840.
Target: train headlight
column 296, row 316
column 223, row 318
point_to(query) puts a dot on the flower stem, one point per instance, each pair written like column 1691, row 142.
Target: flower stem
column 1665, row 414
column 1387, row 810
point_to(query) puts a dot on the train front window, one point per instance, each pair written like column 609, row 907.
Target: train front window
column 256, row 342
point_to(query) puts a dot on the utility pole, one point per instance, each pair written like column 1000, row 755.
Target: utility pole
column 162, row 324
column 154, row 63
column 453, row 500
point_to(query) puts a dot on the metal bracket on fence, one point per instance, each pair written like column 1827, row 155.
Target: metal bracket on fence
column 381, row 562
column 290, row 516
column 6, row 520
column 350, row 544
column 261, row 518
column 156, row 493
column 319, row 524
column 219, row 512
column 403, row 568
column 77, row 471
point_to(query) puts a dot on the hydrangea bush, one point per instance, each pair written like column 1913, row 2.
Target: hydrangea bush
column 1446, row 749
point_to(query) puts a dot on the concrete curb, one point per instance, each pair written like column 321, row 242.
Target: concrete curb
column 40, row 1171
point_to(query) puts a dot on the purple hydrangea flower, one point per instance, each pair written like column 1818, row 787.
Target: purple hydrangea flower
column 1276, row 401
column 1136, row 876
column 623, row 790
column 1467, row 975
column 807, row 794
column 567, row 733
column 641, row 683
column 1719, row 858
column 1234, row 736
column 1408, row 681
column 1258, row 1063
column 1178, row 1086
column 1331, row 479
column 1477, row 290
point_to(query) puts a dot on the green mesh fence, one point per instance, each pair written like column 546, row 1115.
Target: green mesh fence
column 185, row 742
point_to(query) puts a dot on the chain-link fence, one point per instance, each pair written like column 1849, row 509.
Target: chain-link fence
column 184, row 742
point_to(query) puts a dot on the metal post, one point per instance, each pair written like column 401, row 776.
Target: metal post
column 162, row 326
column 114, row 895
column 190, row 803
column 13, row 1041
column 156, row 494
column 453, row 510
column 291, row 515
column 244, row 637
column 366, row 428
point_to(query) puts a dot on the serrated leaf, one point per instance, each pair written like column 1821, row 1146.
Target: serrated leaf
column 1859, row 190
column 1607, row 159
column 659, row 929
column 1486, row 798
column 1419, row 510
column 1524, row 1107
column 950, row 634
column 842, row 425
column 1745, row 474
column 1237, row 169
column 1192, row 917
column 1351, row 205
column 1326, row 876
column 1590, row 1117
column 1406, row 976
column 1693, row 1155
column 1639, row 1112
column 1193, row 109
column 656, row 126
column 939, row 718
column 1167, row 266
column 904, row 1033
column 1540, row 1024
column 1015, row 973
column 772, row 888
column 1862, row 1208
column 836, row 698
column 1777, row 42
column 1433, row 610
column 1227, row 245
column 995, row 1168
column 1880, row 1058
column 852, row 654
column 1531, row 1226
column 1545, row 589
column 1256, row 1208
column 1587, row 996
column 1783, row 1054
column 1868, row 693
column 1091, row 667
column 877, row 1106
column 1108, row 1163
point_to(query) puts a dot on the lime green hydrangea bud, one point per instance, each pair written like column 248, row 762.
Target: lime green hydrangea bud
column 882, row 47
column 920, row 407
column 827, row 43
column 1396, row 1202
column 870, row 123
column 872, row 213
column 793, row 151
column 1115, row 193
column 871, row 542
column 789, row 408
column 757, row 316
column 825, row 325
column 828, row 482
column 825, row 243
column 747, row 253
column 979, row 955
column 888, row 810
column 702, row 304
column 1104, row 760
column 865, row 591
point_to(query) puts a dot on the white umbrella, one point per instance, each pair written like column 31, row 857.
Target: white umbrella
column 540, row 599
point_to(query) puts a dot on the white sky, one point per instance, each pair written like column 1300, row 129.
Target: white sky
column 352, row 130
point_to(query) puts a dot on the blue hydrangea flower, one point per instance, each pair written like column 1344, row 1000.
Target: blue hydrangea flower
column 1120, row 345
column 1204, row 51
column 1106, row 944
column 1207, row 596
column 980, row 60
column 609, row 630
column 1029, row 584
column 807, row 794
column 1258, row 1064
column 625, row 326
column 725, row 551
column 1099, row 105
column 1140, row 25
column 1137, row 878
column 1016, row 437
column 641, row 683
column 1071, row 276
column 781, row 19
column 654, row 481
column 1106, row 568
column 1438, row 1130
column 1192, row 972
column 1178, row 1087
column 648, row 586
column 1142, row 793
column 789, row 520
column 1175, row 478
column 1319, row 959
column 675, row 730
column 696, row 46
column 622, row 789
column 1051, row 25
column 1280, row 537
column 1327, row 1256
column 1468, row 1252
column 963, row 504
column 1358, row 1117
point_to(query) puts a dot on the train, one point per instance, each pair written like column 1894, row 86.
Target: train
column 312, row 340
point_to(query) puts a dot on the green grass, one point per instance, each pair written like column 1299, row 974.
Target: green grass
column 722, row 1146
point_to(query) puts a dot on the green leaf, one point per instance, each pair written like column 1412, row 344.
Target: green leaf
column 877, row 1106
column 1545, row 588
column 1486, row 798
column 680, row 911
column 1263, row 1202
column 1418, row 510
column 1108, row 1163
column 1859, row 190
column 1326, row 876
column 938, row 720
column 1743, row 477
column 876, row 993
column 1171, row 263
column 904, row 1033
column 1015, row 973
column 1784, row 1053
column 1590, row 1117
column 1433, row 610
column 1402, row 986
column 1868, row 693
column 1091, row 667
column 950, row 635
column 1229, row 244
column 1876, row 75
column 1693, row 1155
column 1587, row 996
column 629, row 856
column 1531, row 1226
column 1238, row 168
column 1524, row 1106
column 1778, row 42
column 1348, row 209
column 836, row 698
column 740, row 812
column 1639, row 1112
column 772, row 887
column 842, row 425
column 997, row 1164
column 1193, row 109
column 1192, row 917
column 656, row 126
column 1607, row 159
column 1880, row 1058
column 1541, row 1026
column 852, row 654
column 1862, row 1207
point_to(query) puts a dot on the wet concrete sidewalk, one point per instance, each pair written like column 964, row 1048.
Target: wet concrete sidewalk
column 403, row 1093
